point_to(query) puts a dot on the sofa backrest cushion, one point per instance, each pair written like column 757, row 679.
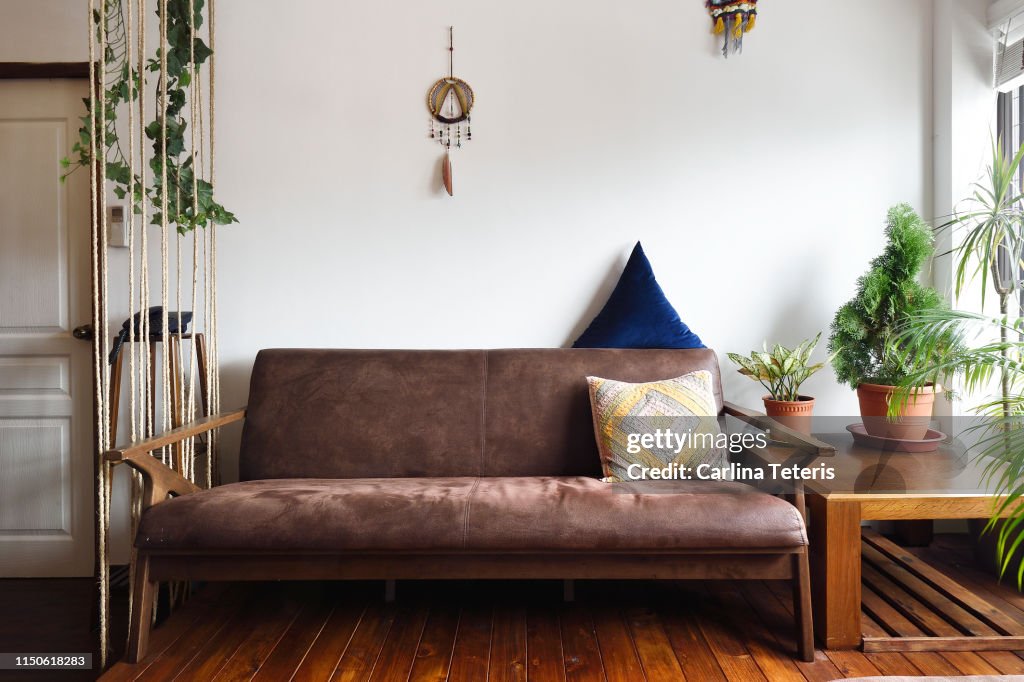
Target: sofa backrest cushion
column 408, row 413
column 539, row 420
column 363, row 414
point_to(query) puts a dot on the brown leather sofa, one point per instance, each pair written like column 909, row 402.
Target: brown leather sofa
column 376, row 464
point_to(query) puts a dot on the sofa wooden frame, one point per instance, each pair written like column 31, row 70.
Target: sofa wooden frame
column 161, row 482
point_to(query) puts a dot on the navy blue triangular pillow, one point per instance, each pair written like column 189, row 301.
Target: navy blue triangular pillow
column 637, row 314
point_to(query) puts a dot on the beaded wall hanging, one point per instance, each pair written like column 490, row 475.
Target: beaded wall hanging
column 450, row 101
column 731, row 19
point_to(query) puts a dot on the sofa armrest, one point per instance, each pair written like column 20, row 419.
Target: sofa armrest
column 803, row 442
column 780, row 432
column 159, row 479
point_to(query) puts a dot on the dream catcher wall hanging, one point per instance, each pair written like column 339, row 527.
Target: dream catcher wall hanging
column 731, row 19
column 450, row 101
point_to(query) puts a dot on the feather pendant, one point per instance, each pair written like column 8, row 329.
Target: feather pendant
column 446, row 174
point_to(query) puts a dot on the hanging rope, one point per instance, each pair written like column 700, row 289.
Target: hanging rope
column 95, row 183
column 165, row 356
column 178, row 397
column 214, row 361
column 193, row 104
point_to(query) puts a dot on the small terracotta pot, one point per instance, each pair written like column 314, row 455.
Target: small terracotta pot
column 796, row 414
column 912, row 422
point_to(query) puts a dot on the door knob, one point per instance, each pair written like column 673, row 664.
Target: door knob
column 83, row 333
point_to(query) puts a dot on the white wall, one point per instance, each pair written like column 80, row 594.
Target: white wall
column 758, row 184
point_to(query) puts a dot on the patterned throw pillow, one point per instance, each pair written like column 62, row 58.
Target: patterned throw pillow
column 670, row 426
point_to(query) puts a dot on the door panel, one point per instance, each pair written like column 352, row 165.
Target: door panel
column 46, row 452
column 33, row 243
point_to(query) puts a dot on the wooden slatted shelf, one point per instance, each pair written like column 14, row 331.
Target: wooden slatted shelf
column 918, row 608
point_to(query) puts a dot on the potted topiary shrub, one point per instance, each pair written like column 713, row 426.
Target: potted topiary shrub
column 782, row 371
column 864, row 355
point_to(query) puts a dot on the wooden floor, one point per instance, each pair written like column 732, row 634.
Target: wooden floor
column 519, row 631
column 46, row 616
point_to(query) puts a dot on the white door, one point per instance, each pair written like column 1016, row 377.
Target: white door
column 46, row 454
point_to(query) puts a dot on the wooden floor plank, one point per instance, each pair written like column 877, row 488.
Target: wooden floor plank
column 186, row 647
column 508, row 645
column 434, row 653
column 691, row 649
column 1006, row 662
column 581, row 653
column 775, row 663
column 618, row 655
column 726, row 644
column 180, row 623
column 781, row 626
column 544, row 654
column 848, row 663
column 322, row 658
column 220, row 648
column 394, row 662
column 652, row 645
column 853, row 664
column 356, row 664
column 254, row 649
column 292, row 647
column 472, row 653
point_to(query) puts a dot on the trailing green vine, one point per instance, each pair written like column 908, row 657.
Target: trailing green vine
column 186, row 209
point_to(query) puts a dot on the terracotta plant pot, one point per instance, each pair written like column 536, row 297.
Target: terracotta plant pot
column 796, row 414
column 912, row 422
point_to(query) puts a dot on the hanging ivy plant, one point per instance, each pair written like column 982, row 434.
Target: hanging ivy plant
column 190, row 200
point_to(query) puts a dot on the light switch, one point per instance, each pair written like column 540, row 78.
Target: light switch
column 117, row 228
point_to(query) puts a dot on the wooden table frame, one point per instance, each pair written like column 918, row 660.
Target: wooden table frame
column 835, row 543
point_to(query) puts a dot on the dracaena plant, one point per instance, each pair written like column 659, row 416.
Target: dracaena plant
column 975, row 349
column 781, row 370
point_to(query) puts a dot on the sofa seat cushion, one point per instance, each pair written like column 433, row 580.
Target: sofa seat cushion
column 502, row 514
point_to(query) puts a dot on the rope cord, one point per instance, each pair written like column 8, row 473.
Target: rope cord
column 132, row 346
column 165, row 356
column 143, row 400
column 190, row 400
column 214, row 350
column 97, row 381
column 133, row 430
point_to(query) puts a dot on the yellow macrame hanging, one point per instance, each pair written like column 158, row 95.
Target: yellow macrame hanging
column 731, row 19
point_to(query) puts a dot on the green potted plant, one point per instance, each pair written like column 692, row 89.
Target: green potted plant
column 781, row 371
column 976, row 349
column 888, row 297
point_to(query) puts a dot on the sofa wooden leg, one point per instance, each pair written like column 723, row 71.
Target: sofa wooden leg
column 389, row 591
column 143, row 592
column 802, row 606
